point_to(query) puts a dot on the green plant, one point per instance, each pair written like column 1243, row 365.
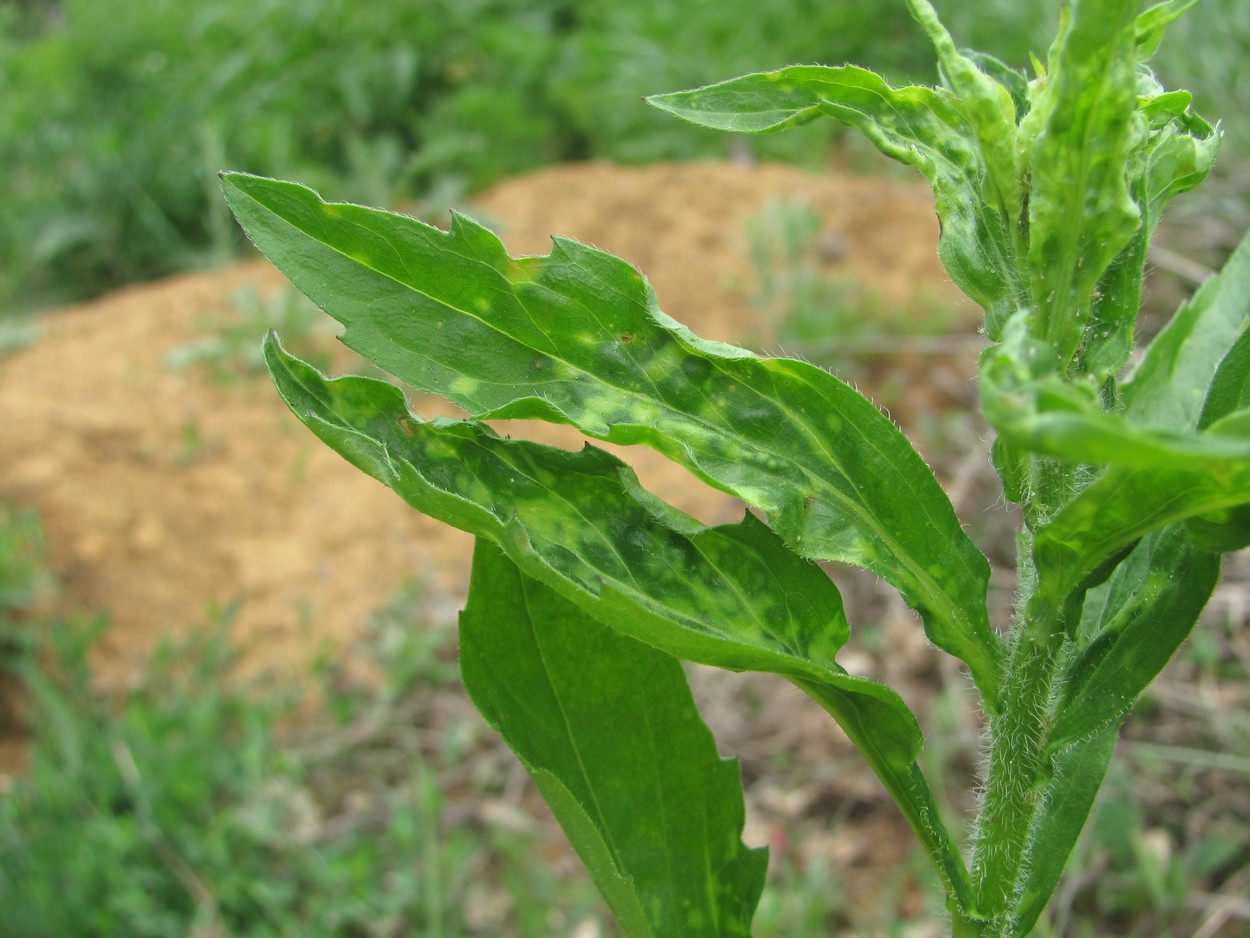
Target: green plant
column 22, row 573
column 812, row 312
column 798, row 300
column 114, row 117
column 230, row 352
column 1131, row 479
column 198, row 802
column 23, row 581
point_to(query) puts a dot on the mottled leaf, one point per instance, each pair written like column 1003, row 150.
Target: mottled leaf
column 576, row 337
column 991, row 111
column 608, row 730
column 1158, row 468
column 732, row 596
column 1075, row 141
column 1175, row 153
column 927, row 128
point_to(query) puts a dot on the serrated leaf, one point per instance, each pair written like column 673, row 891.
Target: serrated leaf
column 580, row 523
column 927, row 128
column 732, row 596
column 576, row 337
column 608, row 729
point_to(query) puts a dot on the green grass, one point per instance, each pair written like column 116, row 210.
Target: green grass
column 230, row 350
column 809, row 308
column 197, row 803
column 23, row 576
column 115, row 117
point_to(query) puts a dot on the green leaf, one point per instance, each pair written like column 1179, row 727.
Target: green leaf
column 576, row 337
column 1014, row 81
column 1152, row 23
column 1159, row 470
column 608, row 730
column 991, row 110
column 1030, row 402
column 732, row 596
column 1174, row 155
column 927, row 128
column 1221, row 531
column 1124, row 505
column 1131, row 626
column 1228, row 404
column 1074, row 143
column 1230, row 388
column 1169, row 387
column 1077, row 774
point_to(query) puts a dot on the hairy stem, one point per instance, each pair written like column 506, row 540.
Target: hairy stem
column 1020, row 769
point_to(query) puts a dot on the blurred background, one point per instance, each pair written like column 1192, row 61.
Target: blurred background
column 159, row 776
column 115, row 117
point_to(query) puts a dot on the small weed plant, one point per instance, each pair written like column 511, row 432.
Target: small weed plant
column 1131, row 472
column 799, row 302
column 230, row 353
column 809, row 309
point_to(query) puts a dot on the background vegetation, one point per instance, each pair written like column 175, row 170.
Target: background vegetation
column 115, row 117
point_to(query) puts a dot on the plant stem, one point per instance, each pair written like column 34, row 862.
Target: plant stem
column 1020, row 769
